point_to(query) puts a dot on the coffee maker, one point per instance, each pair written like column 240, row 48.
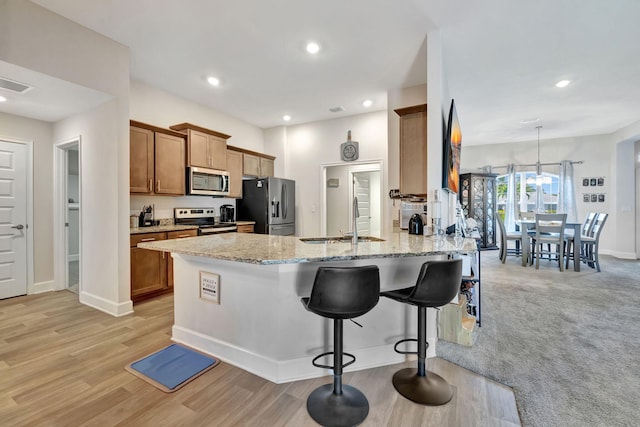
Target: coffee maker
column 227, row 213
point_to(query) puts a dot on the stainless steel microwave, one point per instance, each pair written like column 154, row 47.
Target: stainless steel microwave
column 207, row 182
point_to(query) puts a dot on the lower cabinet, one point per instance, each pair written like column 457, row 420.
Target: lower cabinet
column 245, row 228
column 152, row 271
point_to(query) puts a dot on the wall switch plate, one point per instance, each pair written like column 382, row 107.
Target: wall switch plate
column 210, row 287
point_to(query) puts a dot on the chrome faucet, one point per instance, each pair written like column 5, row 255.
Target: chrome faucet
column 356, row 215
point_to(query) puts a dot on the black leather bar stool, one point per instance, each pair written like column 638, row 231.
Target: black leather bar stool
column 340, row 293
column 437, row 284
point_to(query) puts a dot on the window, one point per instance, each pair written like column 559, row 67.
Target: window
column 526, row 192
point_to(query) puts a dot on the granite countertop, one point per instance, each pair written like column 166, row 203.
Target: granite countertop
column 267, row 249
column 162, row 228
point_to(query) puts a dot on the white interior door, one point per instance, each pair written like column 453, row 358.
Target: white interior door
column 362, row 191
column 13, row 219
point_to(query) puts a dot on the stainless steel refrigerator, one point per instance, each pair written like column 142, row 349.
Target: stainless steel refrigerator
column 271, row 203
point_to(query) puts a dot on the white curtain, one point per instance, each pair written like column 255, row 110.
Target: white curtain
column 511, row 209
column 567, row 192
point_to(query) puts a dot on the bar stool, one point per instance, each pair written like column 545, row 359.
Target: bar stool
column 340, row 293
column 437, row 284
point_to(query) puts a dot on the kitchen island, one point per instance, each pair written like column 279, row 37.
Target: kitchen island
column 237, row 297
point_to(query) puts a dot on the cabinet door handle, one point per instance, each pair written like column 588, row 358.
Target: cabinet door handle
column 148, row 239
column 183, row 235
column 158, row 185
column 150, row 188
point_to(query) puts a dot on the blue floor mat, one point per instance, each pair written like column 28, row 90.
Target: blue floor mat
column 172, row 367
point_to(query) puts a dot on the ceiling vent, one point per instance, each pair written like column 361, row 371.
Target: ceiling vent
column 336, row 109
column 13, row 86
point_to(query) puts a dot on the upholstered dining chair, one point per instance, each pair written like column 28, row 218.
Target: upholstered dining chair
column 550, row 232
column 505, row 238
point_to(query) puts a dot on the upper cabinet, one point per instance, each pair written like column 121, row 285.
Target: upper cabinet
column 255, row 164
column 156, row 160
column 234, row 167
column 205, row 148
column 413, row 149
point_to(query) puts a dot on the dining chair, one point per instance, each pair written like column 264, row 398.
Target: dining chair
column 588, row 253
column 505, row 238
column 549, row 231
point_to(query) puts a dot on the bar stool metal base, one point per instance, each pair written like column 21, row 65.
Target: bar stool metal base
column 431, row 389
column 337, row 410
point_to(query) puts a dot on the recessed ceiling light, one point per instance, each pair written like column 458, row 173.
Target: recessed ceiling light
column 286, row 117
column 367, row 103
column 213, row 81
column 529, row 121
column 3, row 99
column 313, row 47
column 563, row 83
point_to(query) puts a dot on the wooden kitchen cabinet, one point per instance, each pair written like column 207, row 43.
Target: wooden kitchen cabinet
column 413, row 150
column 141, row 168
column 234, row 167
column 156, row 160
column 256, row 165
column 205, row 147
column 245, row 228
column 152, row 271
column 148, row 268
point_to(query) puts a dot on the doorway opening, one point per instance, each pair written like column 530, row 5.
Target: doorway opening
column 67, row 191
column 341, row 183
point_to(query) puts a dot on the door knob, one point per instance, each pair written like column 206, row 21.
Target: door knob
column 18, row 227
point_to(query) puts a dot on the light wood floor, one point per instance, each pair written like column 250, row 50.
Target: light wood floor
column 62, row 364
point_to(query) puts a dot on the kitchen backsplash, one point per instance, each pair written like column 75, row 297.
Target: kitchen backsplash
column 163, row 206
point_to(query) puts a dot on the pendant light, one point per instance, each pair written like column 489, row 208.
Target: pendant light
column 540, row 178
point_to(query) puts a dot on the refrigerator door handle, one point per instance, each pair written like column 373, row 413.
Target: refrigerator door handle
column 283, row 197
column 275, row 209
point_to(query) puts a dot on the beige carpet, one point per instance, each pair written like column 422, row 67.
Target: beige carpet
column 568, row 343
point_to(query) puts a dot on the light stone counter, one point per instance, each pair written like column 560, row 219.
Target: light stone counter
column 258, row 322
column 266, row 249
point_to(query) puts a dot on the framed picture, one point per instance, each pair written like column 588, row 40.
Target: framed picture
column 585, row 182
column 594, row 198
column 586, row 198
column 600, row 182
column 601, row 198
column 593, row 182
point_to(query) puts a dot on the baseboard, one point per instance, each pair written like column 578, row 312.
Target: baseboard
column 107, row 306
column 41, row 287
column 280, row 371
column 617, row 254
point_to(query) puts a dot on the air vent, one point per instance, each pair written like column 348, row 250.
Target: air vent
column 13, row 86
column 336, row 109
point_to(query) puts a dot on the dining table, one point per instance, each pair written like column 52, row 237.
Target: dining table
column 525, row 226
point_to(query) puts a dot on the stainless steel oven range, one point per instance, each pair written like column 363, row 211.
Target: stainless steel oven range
column 204, row 218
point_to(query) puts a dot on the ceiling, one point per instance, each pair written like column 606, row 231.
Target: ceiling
column 501, row 58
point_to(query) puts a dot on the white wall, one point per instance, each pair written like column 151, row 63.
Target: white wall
column 309, row 146
column 156, row 107
column 40, row 40
column 41, row 134
column 159, row 108
column 598, row 153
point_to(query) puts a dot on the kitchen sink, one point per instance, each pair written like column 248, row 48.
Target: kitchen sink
column 341, row 239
